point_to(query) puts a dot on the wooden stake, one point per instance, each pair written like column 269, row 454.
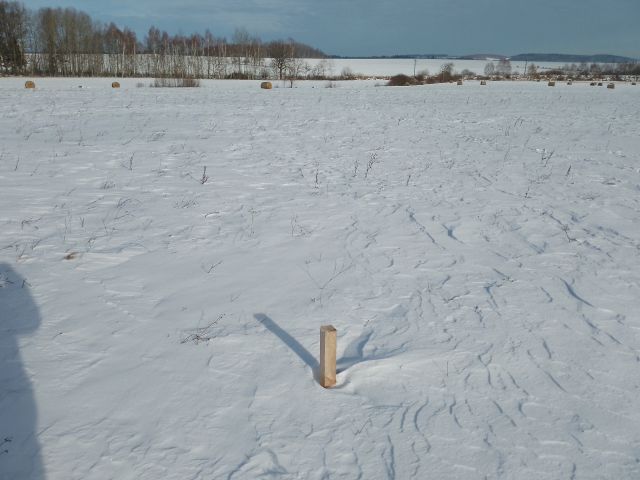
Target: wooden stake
column 328, row 343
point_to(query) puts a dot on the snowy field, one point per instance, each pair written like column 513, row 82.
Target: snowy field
column 477, row 248
column 386, row 67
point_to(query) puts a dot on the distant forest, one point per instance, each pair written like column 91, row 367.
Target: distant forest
column 68, row 42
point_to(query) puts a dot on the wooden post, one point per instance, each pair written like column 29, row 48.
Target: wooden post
column 328, row 342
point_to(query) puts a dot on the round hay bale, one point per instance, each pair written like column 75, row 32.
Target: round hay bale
column 483, row 82
column 115, row 85
column 593, row 84
column 266, row 85
column 599, row 84
column 29, row 84
column 552, row 83
column 611, row 85
column 570, row 82
column 633, row 83
column 459, row 82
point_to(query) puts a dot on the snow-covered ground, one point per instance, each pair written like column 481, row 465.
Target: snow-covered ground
column 477, row 248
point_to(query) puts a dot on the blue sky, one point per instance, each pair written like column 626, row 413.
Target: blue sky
column 361, row 27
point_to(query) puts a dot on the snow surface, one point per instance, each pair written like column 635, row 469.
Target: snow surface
column 477, row 248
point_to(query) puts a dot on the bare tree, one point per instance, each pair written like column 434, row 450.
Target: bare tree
column 281, row 54
column 13, row 30
column 296, row 69
column 504, row 67
column 489, row 69
column 48, row 33
column 446, row 71
column 323, row 69
column 241, row 52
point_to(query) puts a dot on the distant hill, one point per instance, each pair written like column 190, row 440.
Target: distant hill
column 402, row 56
column 559, row 57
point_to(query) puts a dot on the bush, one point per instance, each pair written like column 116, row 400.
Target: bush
column 402, row 80
column 347, row 74
column 238, row 76
column 175, row 82
column 421, row 78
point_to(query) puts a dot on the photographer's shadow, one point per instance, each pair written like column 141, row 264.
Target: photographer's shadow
column 20, row 456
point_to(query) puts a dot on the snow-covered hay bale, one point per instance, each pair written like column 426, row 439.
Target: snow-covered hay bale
column 593, row 84
column 483, row 82
column 266, row 85
column 633, row 83
column 552, row 83
column 570, row 82
column 115, row 85
column 611, row 86
column 29, row 84
column 599, row 84
column 459, row 82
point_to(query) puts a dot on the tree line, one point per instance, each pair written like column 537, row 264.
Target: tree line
column 68, row 42
column 572, row 71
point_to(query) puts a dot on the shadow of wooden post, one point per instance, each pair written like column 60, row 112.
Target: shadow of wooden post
column 289, row 341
